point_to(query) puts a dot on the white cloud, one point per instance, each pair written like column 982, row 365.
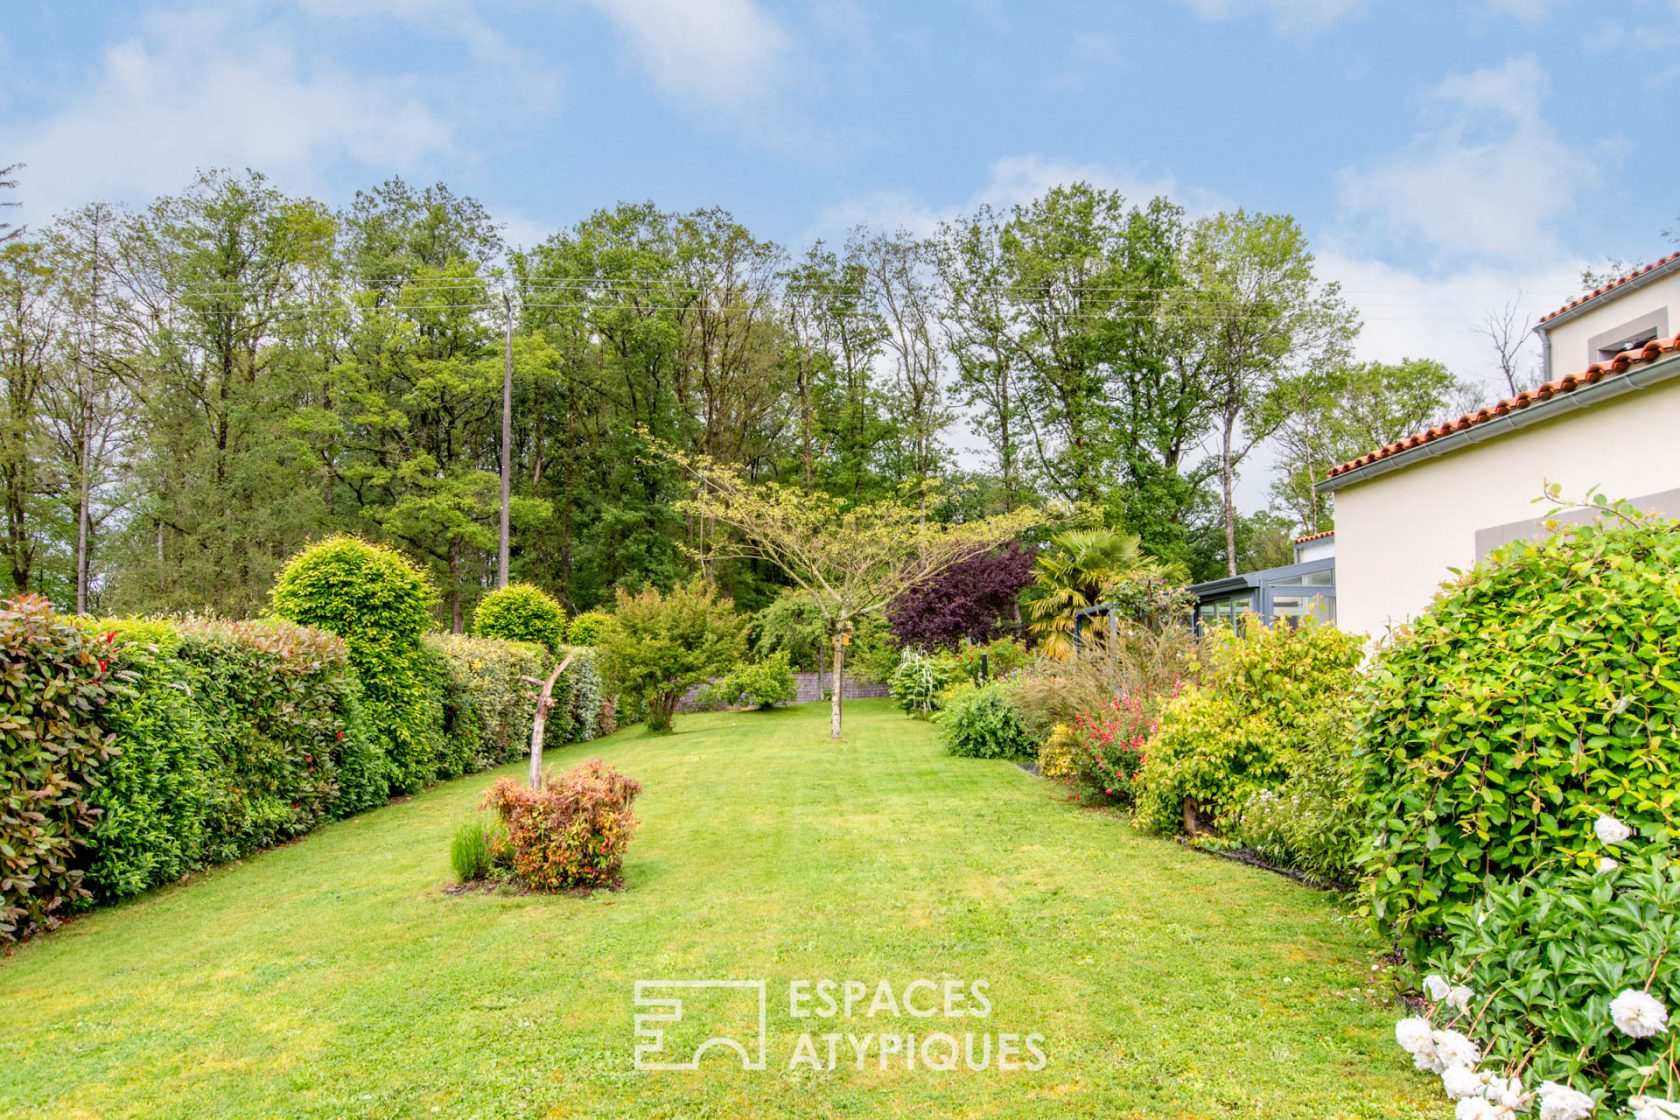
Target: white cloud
column 1288, row 16
column 196, row 89
column 1010, row 180
column 1408, row 313
column 1492, row 182
column 726, row 54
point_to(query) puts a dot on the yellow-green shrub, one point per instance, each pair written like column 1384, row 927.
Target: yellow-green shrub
column 1265, row 694
column 521, row 612
column 1055, row 754
column 380, row 603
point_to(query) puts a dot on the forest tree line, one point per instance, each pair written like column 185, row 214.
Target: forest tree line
column 195, row 389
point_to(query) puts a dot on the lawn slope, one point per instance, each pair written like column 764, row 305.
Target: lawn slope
column 334, row 977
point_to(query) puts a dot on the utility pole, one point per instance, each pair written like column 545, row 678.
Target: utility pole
column 507, row 442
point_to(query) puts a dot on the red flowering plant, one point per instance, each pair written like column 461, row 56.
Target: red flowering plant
column 1110, row 748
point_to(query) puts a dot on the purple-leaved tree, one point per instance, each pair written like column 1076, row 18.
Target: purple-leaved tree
column 975, row 599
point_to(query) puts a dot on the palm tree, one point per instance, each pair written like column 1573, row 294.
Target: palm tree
column 1071, row 574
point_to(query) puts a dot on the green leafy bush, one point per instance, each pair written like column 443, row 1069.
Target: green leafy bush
column 1536, row 694
column 573, row 832
column 1266, row 694
column 521, row 612
column 588, row 628
column 762, row 684
column 660, row 645
column 978, row 721
column 380, row 603
column 1314, row 822
column 1547, row 970
column 54, row 685
column 919, row 683
column 153, row 794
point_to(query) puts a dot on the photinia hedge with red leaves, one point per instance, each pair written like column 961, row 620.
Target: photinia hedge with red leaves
column 572, row 832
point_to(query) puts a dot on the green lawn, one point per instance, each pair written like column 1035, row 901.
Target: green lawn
column 334, row 977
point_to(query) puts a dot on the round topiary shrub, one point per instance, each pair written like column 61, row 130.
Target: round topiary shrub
column 379, row 603
column 521, row 612
column 588, row 628
column 1535, row 695
column 357, row 590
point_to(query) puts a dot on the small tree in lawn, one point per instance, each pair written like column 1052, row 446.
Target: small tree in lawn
column 853, row 559
column 659, row 645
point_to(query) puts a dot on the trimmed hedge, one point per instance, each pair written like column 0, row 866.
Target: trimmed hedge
column 487, row 708
column 54, row 685
column 230, row 737
column 140, row 750
column 154, row 792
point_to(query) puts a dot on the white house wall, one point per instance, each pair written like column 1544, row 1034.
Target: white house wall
column 1570, row 352
column 1397, row 534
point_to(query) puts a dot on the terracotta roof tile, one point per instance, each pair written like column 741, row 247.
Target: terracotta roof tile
column 1598, row 371
column 1607, row 288
column 1315, row 536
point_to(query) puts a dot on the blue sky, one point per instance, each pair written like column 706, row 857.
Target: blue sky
column 1444, row 157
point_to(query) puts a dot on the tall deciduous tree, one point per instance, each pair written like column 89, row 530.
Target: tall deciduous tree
column 852, row 559
column 1326, row 416
column 1258, row 313
column 979, row 323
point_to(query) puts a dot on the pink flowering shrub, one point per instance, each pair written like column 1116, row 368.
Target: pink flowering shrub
column 1109, row 749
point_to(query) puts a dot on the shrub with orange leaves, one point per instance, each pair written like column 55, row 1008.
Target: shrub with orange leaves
column 571, row 833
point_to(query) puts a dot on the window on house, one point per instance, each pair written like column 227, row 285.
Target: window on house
column 1629, row 336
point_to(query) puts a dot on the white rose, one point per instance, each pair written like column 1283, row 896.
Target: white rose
column 1436, row 987
column 1610, row 830
column 1453, row 1049
column 1560, row 1102
column 1475, row 1108
column 1654, row 1108
column 1605, row 863
column 1414, row 1035
column 1638, row 1015
column 1460, row 997
column 1460, row 1082
column 1506, row 1091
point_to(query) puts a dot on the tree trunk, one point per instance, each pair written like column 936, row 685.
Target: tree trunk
column 457, row 624
column 1227, row 484
column 545, row 701
column 507, row 454
column 839, row 683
